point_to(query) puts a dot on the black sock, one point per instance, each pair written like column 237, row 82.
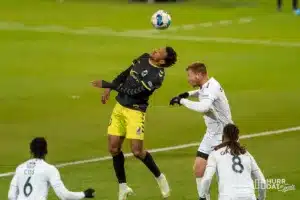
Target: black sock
column 279, row 3
column 149, row 162
column 119, row 161
column 295, row 4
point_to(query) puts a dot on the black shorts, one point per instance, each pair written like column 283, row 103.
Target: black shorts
column 202, row 155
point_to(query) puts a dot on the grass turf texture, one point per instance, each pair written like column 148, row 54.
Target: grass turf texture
column 40, row 72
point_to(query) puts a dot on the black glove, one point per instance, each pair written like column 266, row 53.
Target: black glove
column 202, row 198
column 184, row 95
column 89, row 193
column 175, row 100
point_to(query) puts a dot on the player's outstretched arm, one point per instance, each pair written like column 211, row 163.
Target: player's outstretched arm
column 202, row 106
column 140, row 87
column 193, row 93
column 120, row 88
column 62, row 192
column 184, row 95
column 13, row 189
column 210, row 170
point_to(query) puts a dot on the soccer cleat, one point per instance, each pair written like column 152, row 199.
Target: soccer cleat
column 164, row 186
column 124, row 192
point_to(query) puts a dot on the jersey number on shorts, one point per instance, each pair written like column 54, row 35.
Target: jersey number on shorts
column 27, row 188
column 237, row 164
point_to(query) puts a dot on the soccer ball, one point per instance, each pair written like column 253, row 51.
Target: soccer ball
column 161, row 20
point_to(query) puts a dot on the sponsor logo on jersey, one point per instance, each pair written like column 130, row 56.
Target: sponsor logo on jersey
column 161, row 73
column 139, row 130
column 150, row 84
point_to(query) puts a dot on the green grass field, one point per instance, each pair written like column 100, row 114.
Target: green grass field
column 49, row 55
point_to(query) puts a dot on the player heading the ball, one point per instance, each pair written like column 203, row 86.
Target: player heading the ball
column 135, row 85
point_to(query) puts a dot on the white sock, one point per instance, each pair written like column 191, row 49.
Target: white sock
column 198, row 181
column 207, row 196
column 123, row 186
column 160, row 177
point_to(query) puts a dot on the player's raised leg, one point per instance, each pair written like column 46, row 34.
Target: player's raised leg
column 139, row 152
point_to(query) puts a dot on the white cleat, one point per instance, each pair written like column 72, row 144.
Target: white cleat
column 124, row 191
column 164, row 186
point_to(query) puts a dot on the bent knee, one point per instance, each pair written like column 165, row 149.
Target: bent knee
column 114, row 150
column 139, row 153
column 114, row 144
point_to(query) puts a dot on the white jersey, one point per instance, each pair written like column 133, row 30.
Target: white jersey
column 215, row 106
column 33, row 179
column 234, row 175
column 219, row 115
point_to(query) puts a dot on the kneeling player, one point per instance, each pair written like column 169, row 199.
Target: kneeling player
column 213, row 104
column 236, row 170
column 33, row 178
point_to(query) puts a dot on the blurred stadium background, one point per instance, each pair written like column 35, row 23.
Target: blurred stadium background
column 50, row 51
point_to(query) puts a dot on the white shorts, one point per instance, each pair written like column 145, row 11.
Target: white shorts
column 209, row 142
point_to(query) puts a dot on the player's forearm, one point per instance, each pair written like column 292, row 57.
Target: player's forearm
column 71, row 195
column 63, row 193
column 262, row 185
column 193, row 93
column 124, row 90
column 207, row 178
column 262, row 193
column 205, row 184
column 202, row 106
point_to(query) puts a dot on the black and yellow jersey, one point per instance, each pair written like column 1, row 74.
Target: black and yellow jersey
column 136, row 84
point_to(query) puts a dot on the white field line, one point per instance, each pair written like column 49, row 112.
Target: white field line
column 243, row 20
column 171, row 148
column 142, row 34
column 54, row 28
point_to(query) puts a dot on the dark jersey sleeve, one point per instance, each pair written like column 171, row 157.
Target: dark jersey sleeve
column 122, row 76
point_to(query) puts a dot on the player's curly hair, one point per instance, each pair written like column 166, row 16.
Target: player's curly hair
column 38, row 147
column 171, row 58
column 231, row 132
